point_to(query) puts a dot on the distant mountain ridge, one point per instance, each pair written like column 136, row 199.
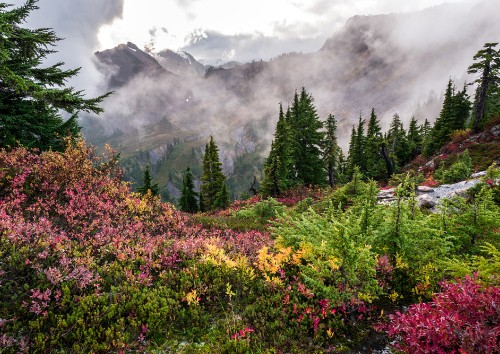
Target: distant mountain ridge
column 387, row 62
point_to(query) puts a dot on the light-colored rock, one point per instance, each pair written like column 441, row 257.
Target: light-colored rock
column 426, row 201
column 424, row 189
column 458, row 193
column 478, row 174
column 386, row 193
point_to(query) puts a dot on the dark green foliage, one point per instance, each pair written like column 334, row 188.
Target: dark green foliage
column 295, row 156
column 31, row 96
column 374, row 162
column 398, row 143
column 415, row 138
column 331, row 151
column 279, row 167
column 212, row 179
column 487, row 66
column 458, row 171
column 307, row 138
column 222, row 198
column 452, row 117
column 189, row 198
column 147, row 184
column 358, row 153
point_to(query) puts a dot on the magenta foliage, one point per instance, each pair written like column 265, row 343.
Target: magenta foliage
column 462, row 318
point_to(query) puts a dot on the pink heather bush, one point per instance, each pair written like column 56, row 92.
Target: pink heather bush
column 462, row 318
column 70, row 232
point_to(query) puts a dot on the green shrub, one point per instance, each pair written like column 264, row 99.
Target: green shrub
column 458, row 171
column 266, row 209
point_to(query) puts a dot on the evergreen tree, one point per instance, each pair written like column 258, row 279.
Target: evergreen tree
column 487, row 65
column 374, row 163
column 426, row 130
column 398, row 143
column 212, row 178
column 222, row 198
column 279, row 166
column 272, row 183
column 357, row 148
column 453, row 116
column 461, row 107
column 307, row 139
column 32, row 96
column 415, row 139
column 350, row 153
column 331, row 150
column 189, row 198
column 147, row 184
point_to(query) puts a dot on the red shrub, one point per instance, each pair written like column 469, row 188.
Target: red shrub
column 463, row 318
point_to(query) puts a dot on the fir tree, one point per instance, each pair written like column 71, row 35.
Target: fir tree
column 398, row 143
column 272, row 183
column 212, row 178
column 189, row 198
column 357, row 148
column 278, row 169
column 426, row 130
column 331, row 150
column 147, row 184
column 415, row 139
column 350, row 152
column 461, row 107
column 453, row 116
column 222, row 198
column 33, row 96
column 374, row 162
column 487, row 65
column 307, row 139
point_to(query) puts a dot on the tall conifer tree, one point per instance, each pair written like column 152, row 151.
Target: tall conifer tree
column 189, row 198
column 398, row 143
column 415, row 139
column 212, row 178
column 374, row 163
column 279, row 166
column 331, row 150
column 357, row 150
column 487, row 65
column 31, row 95
column 307, row 140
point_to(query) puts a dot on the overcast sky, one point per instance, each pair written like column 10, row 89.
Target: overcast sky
column 266, row 27
column 228, row 29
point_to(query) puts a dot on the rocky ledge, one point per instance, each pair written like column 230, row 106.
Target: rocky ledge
column 429, row 198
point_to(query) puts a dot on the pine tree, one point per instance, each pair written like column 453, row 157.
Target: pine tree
column 189, row 198
column 487, row 65
column 32, row 96
column 307, row 139
column 147, row 184
column 331, row 150
column 374, row 163
column 212, row 178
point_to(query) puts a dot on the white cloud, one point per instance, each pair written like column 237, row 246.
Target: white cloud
column 282, row 19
